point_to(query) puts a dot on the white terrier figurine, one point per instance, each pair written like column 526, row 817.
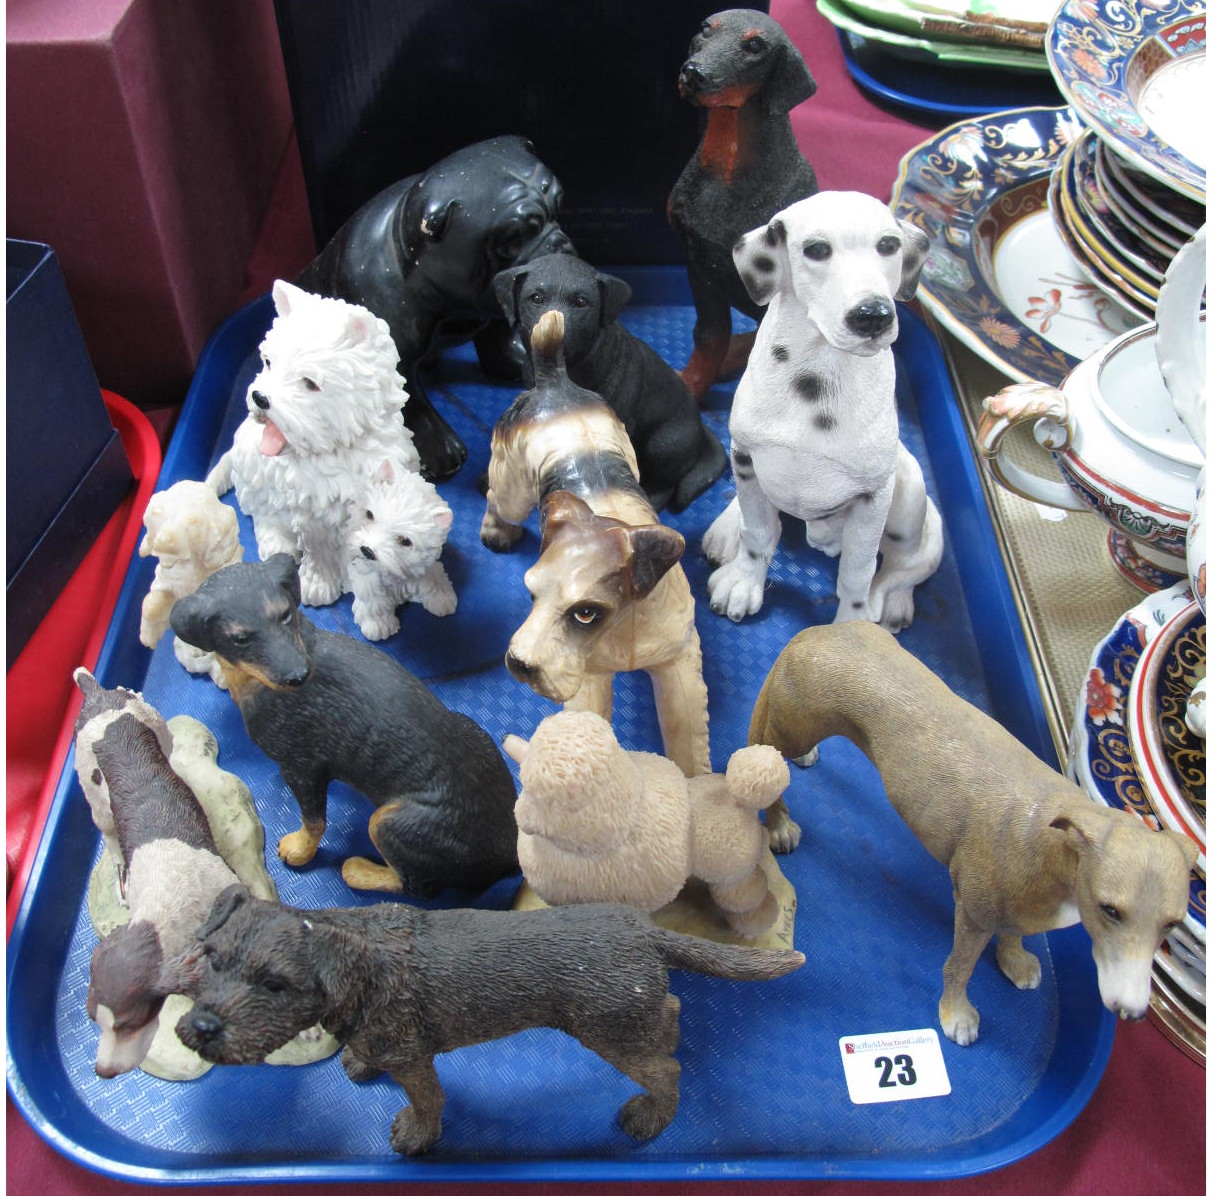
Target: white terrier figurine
column 324, row 412
column 395, row 539
column 192, row 534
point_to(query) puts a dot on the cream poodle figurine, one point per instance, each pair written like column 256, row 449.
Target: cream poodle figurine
column 193, row 535
column 598, row 823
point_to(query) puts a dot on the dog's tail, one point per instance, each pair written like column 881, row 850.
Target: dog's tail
column 548, row 348
column 726, row 960
column 220, row 477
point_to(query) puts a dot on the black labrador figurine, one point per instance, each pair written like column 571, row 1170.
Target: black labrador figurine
column 331, row 707
column 424, row 252
column 399, row 985
column 747, row 75
column 679, row 458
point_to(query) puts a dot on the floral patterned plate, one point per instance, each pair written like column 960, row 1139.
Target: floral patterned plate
column 997, row 273
column 1134, row 70
column 1100, row 757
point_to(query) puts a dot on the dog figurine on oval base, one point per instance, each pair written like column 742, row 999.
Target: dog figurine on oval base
column 324, row 413
column 746, row 73
column 814, row 423
column 609, row 594
column 426, row 250
column 329, row 707
column 597, row 823
column 1026, row 849
column 400, row 985
column 678, row 457
column 192, row 534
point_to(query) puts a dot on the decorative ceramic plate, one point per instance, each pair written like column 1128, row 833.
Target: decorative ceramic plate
column 1082, row 190
column 1134, row 70
column 1179, row 213
column 1101, row 759
column 1094, row 264
column 997, row 273
column 1171, row 760
column 975, row 53
column 1151, row 228
column 1180, row 1018
column 1190, row 982
column 1020, row 24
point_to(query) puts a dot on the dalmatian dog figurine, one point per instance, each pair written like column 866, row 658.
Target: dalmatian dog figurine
column 814, row 424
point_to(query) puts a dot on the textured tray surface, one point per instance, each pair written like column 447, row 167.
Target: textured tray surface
column 763, row 1092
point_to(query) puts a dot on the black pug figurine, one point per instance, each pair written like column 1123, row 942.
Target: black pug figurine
column 330, row 707
column 679, row 458
column 426, row 249
column 746, row 73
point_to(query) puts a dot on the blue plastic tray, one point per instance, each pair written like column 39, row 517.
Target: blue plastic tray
column 763, row 1092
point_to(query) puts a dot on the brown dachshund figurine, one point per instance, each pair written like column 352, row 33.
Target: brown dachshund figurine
column 608, row 591
column 746, row 73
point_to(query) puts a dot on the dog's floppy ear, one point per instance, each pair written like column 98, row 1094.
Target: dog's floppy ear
column 222, row 908
column 761, row 257
column 614, row 294
column 915, row 245
column 789, row 82
column 192, row 619
column 506, row 287
column 655, row 550
column 284, row 572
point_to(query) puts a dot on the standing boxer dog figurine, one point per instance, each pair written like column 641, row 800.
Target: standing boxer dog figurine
column 1026, row 849
column 814, row 423
column 608, row 591
column 747, row 75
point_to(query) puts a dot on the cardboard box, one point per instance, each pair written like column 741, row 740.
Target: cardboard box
column 66, row 467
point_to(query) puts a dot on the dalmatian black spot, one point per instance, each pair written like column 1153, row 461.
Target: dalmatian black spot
column 827, row 423
column 775, row 234
column 763, row 263
column 808, row 385
column 780, row 352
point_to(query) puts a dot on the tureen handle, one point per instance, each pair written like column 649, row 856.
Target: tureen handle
column 1180, row 344
column 1015, row 405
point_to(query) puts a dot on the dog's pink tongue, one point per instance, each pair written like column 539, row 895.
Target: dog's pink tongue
column 272, row 440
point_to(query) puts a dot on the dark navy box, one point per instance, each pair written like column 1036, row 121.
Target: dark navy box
column 382, row 89
column 67, row 469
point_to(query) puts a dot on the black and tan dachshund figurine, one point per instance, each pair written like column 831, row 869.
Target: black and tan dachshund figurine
column 331, row 707
column 746, row 74
column 400, row 985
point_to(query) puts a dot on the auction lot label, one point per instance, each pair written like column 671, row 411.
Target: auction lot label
column 900, row 1065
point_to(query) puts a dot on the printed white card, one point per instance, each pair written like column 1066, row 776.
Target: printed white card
column 900, row 1065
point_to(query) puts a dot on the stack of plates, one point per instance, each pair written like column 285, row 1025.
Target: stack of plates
column 947, row 57
column 1131, row 190
column 1130, row 748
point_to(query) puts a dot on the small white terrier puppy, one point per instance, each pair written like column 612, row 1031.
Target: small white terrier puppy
column 192, row 535
column 395, row 539
column 324, row 412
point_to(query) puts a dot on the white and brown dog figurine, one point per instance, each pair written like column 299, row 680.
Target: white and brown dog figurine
column 324, row 413
column 1026, row 850
column 192, row 534
column 608, row 592
column 395, row 541
column 598, row 823
column 814, row 424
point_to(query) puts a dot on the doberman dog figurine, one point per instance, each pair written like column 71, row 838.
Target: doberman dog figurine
column 746, row 73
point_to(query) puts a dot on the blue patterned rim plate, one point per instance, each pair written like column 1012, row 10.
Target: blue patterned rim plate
column 998, row 275
column 1134, row 71
column 1101, row 758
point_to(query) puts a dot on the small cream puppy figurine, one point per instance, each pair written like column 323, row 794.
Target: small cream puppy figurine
column 1025, row 847
column 192, row 534
column 598, row 823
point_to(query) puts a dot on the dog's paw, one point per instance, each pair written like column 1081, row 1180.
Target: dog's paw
column 642, row 1118
column 377, row 626
column 724, row 537
column 854, row 612
column 498, row 536
column 808, row 760
column 735, row 591
column 439, row 597
column 411, row 1135
column 898, row 610
column 959, row 1021
column 1019, row 965
column 317, row 587
column 297, row 848
column 783, row 834
column 355, row 1069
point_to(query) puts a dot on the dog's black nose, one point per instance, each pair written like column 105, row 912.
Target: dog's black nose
column 205, row 1025
column 260, row 400
column 691, row 78
column 870, row 317
column 367, row 551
